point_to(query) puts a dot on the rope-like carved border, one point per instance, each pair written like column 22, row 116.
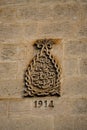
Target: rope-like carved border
column 31, row 91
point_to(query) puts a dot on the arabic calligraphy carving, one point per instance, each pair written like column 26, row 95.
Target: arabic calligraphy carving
column 42, row 76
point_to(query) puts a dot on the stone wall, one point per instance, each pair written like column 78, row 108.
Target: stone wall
column 21, row 23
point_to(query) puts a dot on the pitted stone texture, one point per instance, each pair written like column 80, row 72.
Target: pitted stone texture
column 58, row 29
column 10, row 33
column 70, row 67
column 74, row 86
column 8, row 70
column 8, row 52
column 83, row 66
column 82, row 30
column 4, row 123
column 75, row 48
column 19, row 107
column 15, row 2
column 66, row 12
column 63, row 106
column 27, row 12
column 7, row 14
column 70, row 122
column 3, row 108
column 31, row 123
column 60, row 1
column 11, row 88
column 30, row 31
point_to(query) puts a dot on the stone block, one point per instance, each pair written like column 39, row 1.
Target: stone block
column 66, row 12
column 46, row 2
column 12, row 52
column 27, row 13
column 62, row 106
column 11, row 88
column 70, row 122
column 79, row 106
column 82, row 31
column 4, row 123
column 4, row 2
column 10, row 2
column 70, row 67
column 83, row 66
column 75, row 48
column 21, row 52
column 54, row 2
column 31, row 123
column 45, row 12
column 19, row 107
column 57, row 29
column 80, row 123
column 30, row 31
column 8, row 52
column 84, row 11
column 74, row 86
column 10, row 33
column 7, row 14
column 21, row 69
column 3, row 108
column 8, row 70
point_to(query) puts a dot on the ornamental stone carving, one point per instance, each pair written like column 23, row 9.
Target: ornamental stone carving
column 42, row 77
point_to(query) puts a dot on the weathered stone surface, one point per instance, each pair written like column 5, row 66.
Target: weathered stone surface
column 10, row 2
column 21, row 50
column 30, row 31
column 11, row 88
column 21, row 69
column 83, row 66
column 84, row 9
column 21, row 23
column 80, row 123
column 76, row 48
column 7, row 14
column 10, row 33
column 27, row 12
column 70, row 122
column 60, row 1
column 19, row 107
column 79, row 106
column 66, row 12
column 62, row 106
column 8, row 70
column 31, row 123
column 74, row 86
column 70, row 67
column 82, row 31
column 8, row 52
column 3, row 108
column 45, row 13
column 4, row 124
column 57, row 29
column 12, row 52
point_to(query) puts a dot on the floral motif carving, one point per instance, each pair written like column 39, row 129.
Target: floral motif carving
column 42, row 76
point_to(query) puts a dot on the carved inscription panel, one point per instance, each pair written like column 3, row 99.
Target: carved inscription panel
column 42, row 77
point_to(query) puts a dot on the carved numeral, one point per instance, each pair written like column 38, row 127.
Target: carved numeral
column 40, row 103
column 51, row 104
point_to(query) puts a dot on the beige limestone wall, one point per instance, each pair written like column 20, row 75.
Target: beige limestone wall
column 21, row 23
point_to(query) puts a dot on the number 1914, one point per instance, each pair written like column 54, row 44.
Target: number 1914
column 45, row 103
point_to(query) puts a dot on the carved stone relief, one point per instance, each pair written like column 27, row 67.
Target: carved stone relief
column 42, row 77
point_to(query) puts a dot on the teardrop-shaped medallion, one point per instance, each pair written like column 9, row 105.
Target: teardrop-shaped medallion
column 42, row 76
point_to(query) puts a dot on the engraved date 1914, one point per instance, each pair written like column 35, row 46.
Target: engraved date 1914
column 45, row 103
